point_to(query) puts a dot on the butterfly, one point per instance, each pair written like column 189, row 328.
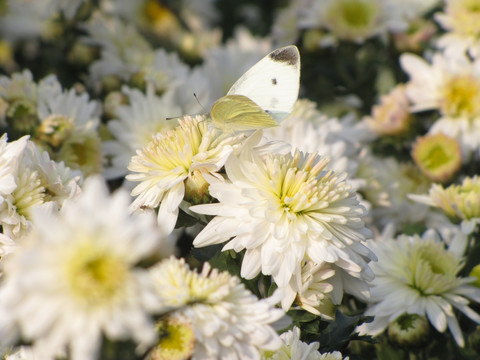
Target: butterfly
column 263, row 96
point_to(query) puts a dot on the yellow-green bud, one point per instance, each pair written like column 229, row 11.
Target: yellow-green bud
column 409, row 331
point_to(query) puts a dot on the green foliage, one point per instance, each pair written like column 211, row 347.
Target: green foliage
column 332, row 335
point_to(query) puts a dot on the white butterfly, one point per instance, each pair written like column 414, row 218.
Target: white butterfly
column 263, row 96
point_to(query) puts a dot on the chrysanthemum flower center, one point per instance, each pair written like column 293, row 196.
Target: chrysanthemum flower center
column 433, row 269
column 352, row 14
column 30, row 192
column 177, row 341
column 95, row 275
column 81, row 151
column 54, row 130
column 465, row 16
column 459, row 201
column 296, row 184
column 461, row 97
column 173, row 150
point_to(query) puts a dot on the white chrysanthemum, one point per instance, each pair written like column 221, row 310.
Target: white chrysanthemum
column 67, row 121
column 15, row 89
column 460, row 18
column 458, row 202
column 282, row 209
column 124, row 50
column 167, row 71
column 311, row 290
column 387, row 184
column 172, row 167
column 227, row 319
column 75, row 278
column 335, row 355
column 69, row 127
column 37, row 181
column 351, row 20
column 18, row 85
column 194, row 94
column 293, row 348
column 126, row 53
column 9, row 155
column 417, row 275
column 145, row 114
column 26, row 19
column 309, row 130
column 450, row 85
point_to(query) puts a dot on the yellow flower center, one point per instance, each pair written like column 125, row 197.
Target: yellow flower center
column 465, row 17
column 461, row 97
column 298, row 189
column 438, row 156
column 82, row 150
column 434, row 269
column 94, row 274
column 54, row 130
column 177, row 341
column 346, row 17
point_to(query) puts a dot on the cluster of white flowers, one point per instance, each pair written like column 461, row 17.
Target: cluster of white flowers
column 128, row 218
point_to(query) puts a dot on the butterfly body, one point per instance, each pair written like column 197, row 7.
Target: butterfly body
column 263, row 96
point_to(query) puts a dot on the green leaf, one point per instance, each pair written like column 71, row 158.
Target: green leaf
column 185, row 220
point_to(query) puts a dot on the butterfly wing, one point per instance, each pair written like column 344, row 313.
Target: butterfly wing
column 273, row 82
column 239, row 113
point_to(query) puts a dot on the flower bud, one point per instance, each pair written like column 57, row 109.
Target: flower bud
column 22, row 118
column 437, row 156
column 409, row 331
column 196, row 189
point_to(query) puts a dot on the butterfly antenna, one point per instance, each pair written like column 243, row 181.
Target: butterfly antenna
column 199, row 103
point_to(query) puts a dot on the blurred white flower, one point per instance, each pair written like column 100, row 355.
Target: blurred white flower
column 310, row 289
column 173, row 166
column 460, row 19
column 75, row 277
column 450, row 85
column 228, row 320
column 387, row 183
column 458, row 202
column 26, row 19
column 392, row 115
column 351, row 20
column 146, row 114
column 68, row 127
column 417, row 275
column 124, row 50
column 283, row 209
column 30, row 180
column 285, row 30
column 293, row 348
column 62, row 122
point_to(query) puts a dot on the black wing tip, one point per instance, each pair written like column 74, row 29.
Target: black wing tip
column 287, row 54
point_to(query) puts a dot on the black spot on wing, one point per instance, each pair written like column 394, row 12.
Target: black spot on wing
column 287, row 55
column 274, row 81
